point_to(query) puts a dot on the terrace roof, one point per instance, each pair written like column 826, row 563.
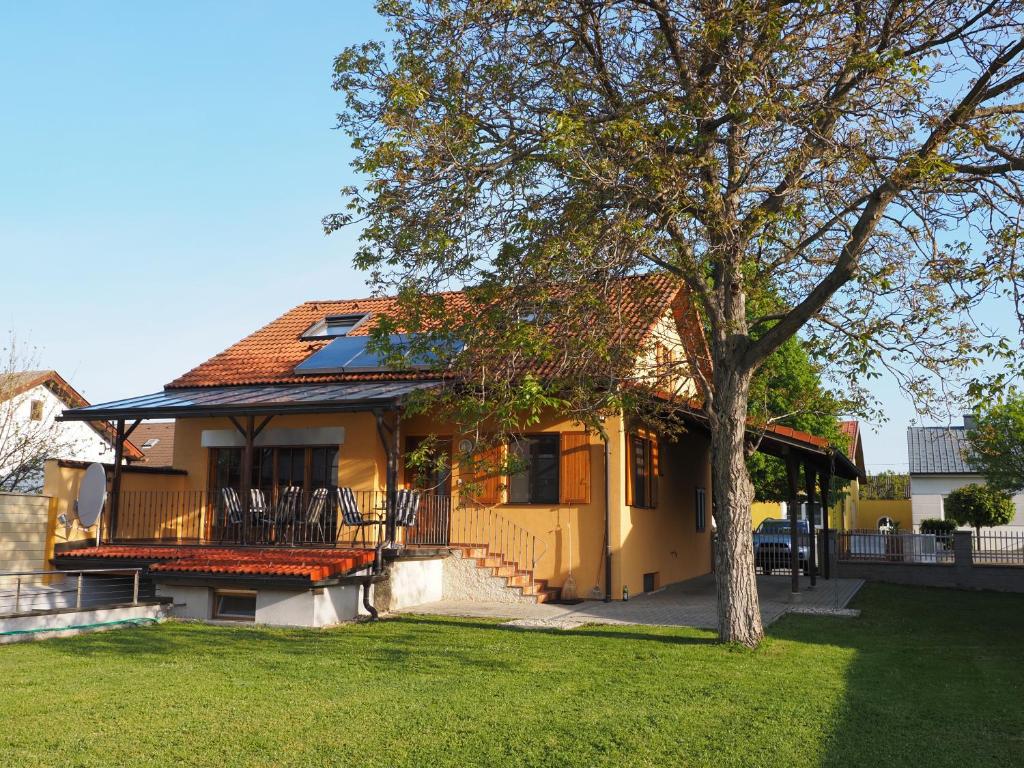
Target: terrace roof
column 250, row 400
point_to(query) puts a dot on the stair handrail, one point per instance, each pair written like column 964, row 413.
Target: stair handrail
column 511, row 537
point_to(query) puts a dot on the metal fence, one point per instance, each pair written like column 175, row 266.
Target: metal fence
column 998, row 548
column 46, row 591
column 873, row 546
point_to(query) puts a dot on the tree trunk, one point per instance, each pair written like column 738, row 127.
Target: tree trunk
column 739, row 613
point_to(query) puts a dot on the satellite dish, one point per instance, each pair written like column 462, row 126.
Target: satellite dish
column 92, row 493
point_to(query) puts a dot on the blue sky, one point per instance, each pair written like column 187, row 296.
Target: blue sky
column 163, row 172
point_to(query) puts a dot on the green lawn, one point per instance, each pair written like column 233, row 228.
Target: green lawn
column 924, row 677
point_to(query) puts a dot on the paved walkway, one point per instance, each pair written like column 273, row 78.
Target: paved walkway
column 687, row 604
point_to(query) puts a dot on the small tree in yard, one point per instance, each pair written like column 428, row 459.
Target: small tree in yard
column 997, row 444
column 979, row 506
column 836, row 157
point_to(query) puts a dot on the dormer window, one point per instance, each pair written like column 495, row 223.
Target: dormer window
column 333, row 326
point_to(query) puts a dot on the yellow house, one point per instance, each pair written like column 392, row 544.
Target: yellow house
column 289, row 490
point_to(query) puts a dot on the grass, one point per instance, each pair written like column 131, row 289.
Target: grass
column 924, row 677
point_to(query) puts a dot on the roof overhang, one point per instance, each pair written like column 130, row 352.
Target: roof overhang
column 266, row 399
column 783, row 441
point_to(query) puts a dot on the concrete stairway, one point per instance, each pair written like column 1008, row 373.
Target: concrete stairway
column 515, row 576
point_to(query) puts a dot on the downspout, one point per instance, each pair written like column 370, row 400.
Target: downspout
column 607, row 523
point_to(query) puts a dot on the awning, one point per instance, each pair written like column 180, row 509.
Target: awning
column 266, row 399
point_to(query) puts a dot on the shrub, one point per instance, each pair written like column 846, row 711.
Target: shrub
column 937, row 526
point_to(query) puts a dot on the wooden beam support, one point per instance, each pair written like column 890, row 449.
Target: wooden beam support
column 115, row 480
column 128, row 432
column 793, row 505
column 246, row 480
column 262, row 425
column 826, row 490
column 810, row 481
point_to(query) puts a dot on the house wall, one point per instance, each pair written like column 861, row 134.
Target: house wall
column 76, row 439
column 927, row 493
column 570, row 536
column 663, row 540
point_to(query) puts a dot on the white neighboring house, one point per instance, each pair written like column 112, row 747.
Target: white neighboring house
column 938, row 465
column 30, row 401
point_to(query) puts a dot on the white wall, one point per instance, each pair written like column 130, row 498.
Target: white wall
column 927, row 492
column 78, row 439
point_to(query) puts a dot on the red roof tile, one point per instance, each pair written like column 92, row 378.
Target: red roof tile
column 269, row 355
column 312, row 564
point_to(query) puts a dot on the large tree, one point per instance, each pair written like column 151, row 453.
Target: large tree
column 997, row 443
column 843, row 154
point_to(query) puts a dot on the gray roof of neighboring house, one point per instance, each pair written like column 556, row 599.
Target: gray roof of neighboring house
column 938, row 451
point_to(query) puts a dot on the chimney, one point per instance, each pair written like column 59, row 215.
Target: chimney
column 970, row 421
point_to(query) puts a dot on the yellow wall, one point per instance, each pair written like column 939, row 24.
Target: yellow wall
column 869, row 511
column 663, row 540
column 61, row 483
column 764, row 510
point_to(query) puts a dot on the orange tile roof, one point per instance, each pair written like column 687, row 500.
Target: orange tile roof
column 161, row 453
column 313, row 564
column 269, row 355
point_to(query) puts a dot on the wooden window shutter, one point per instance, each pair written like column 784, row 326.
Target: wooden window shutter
column 655, row 468
column 489, row 479
column 575, row 468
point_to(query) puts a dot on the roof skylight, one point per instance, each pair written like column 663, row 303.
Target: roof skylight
column 333, row 326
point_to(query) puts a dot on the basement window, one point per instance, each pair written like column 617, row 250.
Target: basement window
column 334, row 326
column 234, row 604
column 650, row 581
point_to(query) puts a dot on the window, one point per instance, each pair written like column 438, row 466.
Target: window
column 643, row 470
column 36, row 410
column 276, row 468
column 150, row 443
column 702, row 509
column 537, row 482
column 333, row 326
column 234, row 604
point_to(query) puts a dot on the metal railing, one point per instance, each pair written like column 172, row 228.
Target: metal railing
column 46, row 591
column 201, row 518
column 484, row 527
column 998, row 548
column 897, row 547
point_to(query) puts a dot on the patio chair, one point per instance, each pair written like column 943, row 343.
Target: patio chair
column 314, row 515
column 232, row 510
column 351, row 516
column 260, row 512
column 287, row 510
column 407, row 504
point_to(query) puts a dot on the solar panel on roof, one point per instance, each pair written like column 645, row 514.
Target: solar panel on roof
column 351, row 353
column 335, row 356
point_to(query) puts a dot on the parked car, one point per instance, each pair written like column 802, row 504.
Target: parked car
column 772, row 545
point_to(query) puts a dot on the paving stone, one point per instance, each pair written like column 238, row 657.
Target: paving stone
column 687, row 604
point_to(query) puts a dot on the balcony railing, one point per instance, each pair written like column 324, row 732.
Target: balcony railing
column 201, row 518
